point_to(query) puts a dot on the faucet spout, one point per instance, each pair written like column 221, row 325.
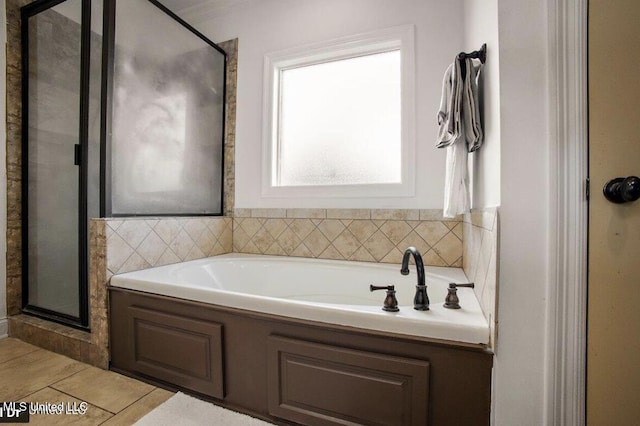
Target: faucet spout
column 417, row 258
column 421, row 300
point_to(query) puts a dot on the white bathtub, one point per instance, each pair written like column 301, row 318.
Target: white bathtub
column 328, row 291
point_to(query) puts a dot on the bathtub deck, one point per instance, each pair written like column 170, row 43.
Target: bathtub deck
column 291, row 287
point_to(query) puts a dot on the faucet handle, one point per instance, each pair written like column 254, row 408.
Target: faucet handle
column 452, row 301
column 381, row 287
column 390, row 302
column 467, row 285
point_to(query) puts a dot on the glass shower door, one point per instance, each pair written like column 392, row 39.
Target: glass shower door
column 54, row 209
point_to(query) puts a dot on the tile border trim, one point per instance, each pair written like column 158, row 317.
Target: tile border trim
column 347, row 214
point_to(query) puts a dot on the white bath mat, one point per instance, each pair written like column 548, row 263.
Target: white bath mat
column 184, row 410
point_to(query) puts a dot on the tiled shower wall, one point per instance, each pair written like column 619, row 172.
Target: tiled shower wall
column 349, row 234
column 14, row 157
column 480, row 261
column 229, row 178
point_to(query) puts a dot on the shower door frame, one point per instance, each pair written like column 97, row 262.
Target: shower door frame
column 82, row 320
column 106, row 113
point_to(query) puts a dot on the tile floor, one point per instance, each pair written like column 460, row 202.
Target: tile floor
column 29, row 373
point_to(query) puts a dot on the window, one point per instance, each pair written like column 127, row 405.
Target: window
column 338, row 118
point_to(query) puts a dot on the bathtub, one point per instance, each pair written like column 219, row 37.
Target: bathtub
column 326, row 291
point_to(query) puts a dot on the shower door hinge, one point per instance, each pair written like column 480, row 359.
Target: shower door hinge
column 77, row 154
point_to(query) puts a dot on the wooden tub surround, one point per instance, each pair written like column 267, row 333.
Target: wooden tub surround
column 294, row 371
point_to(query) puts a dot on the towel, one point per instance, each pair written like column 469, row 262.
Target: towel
column 460, row 132
column 456, row 187
column 450, row 102
column 470, row 110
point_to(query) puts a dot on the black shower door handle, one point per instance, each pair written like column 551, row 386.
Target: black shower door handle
column 622, row 190
column 77, row 154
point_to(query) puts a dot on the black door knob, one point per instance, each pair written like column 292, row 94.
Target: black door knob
column 622, row 190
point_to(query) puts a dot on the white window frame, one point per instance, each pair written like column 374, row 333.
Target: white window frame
column 396, row 38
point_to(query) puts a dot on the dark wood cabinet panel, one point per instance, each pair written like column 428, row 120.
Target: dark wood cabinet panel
column 174, row 349
column 312, row 383
column 286, row 370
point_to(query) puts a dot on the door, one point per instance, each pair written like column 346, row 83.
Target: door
column 54, row 159
column 613, row 340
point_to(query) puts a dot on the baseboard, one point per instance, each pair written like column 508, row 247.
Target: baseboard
column 4, row 328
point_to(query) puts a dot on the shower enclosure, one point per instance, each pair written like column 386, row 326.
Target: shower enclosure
column 123, row 114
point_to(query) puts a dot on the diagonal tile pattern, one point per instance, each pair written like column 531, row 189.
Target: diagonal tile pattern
column 480, row 232
column 139, row 243
column 372, row 236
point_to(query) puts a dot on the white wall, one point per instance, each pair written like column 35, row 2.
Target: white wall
column 481, row 26
column 525, row 197
column 271, row 25
column 3, row 173
column 511, row 170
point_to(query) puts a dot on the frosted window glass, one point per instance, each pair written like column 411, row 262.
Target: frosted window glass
column 340, row 122
column 168, row 110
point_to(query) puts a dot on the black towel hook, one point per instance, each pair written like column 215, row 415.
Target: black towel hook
column 476, row 54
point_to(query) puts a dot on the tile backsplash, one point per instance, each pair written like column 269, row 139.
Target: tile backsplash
column 139, row 243
column 480, row 257
column 349, row 234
